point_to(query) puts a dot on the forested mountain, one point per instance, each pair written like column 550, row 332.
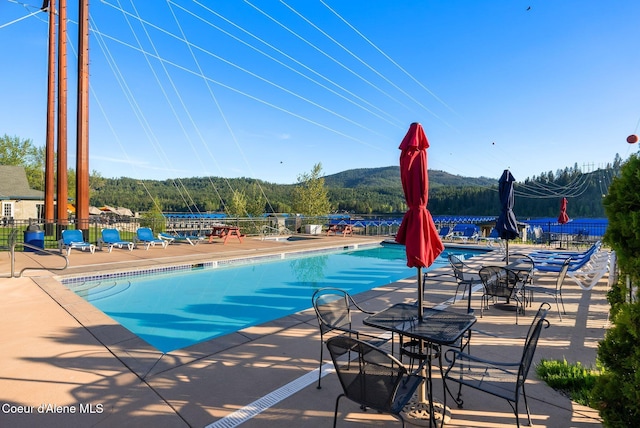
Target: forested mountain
column 390, row 177
column 370, row 191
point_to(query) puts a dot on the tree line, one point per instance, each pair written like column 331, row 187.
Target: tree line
column 367, row 191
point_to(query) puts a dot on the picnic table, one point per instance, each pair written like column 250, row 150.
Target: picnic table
column 345, row 229
column 225, row 232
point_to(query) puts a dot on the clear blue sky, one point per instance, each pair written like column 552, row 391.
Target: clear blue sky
column 267, row 88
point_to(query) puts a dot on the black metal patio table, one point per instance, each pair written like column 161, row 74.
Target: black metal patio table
column 437, row 328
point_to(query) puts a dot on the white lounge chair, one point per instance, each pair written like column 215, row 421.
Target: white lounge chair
column 589, row 274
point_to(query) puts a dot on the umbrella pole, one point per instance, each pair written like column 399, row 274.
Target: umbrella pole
column 506, row 249
column 420, row 294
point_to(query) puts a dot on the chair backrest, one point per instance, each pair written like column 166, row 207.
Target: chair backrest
column 525, row 266
column 111, row 235
column 470, row 231
column 444, row 231
column 372, row 378
column 332, row 306
column 563, row 273
column 498, row 281
column 458, row 266
column 531, row 342
column 145, row 234
column 72, row 235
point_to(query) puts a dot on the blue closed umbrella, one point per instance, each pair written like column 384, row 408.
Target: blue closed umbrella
column 506, row 225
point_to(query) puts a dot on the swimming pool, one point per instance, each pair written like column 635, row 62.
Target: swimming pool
column 174, row 310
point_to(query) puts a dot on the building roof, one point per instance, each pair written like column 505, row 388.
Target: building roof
column 14, row 184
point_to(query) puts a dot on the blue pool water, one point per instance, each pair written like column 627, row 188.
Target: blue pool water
column 176, row 310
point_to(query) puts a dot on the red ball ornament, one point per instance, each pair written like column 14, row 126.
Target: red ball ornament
column 632, row 139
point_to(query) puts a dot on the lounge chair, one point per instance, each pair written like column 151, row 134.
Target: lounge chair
column 469, row 233
column 178, row 237
column 73, row 239
column 558, row 257
column 144, row 236
column 444, row 232
column 111, row 238
column 586, row 271
column 493, row 237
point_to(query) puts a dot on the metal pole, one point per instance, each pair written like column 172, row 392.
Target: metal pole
column 82, row 142
column 62, row 191
column 49, row 172
column 420, row 295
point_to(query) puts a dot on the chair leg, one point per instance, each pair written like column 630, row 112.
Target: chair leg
column 526, row 406
column 335, row 412
column 558, row 307
column 320, row 366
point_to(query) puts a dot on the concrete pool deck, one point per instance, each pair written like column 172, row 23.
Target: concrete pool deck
column 70, row 365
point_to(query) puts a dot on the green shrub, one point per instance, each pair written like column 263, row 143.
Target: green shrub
column 617, row 393
column 573, row 379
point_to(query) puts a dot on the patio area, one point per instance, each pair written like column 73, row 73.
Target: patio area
column 64, row 363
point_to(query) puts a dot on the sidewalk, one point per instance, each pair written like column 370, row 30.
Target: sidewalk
column 60, row 355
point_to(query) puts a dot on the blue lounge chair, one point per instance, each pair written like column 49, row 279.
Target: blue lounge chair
column 144, row 236
column 111, row 238
column 469, row 233
column 178, row 237
column 73, row 239
column 444, row 232
column 493, row 236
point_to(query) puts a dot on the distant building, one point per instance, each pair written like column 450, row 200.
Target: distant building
column 17, row 199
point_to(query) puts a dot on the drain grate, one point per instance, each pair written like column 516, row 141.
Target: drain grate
column 249, row 411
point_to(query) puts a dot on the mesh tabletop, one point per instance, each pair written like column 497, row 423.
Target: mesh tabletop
column 440, row 327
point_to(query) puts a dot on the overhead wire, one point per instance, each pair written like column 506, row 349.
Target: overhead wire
column 170, row 103
column 231, row 88
column 383, row 77
column 222, row 114
column 329, row 56
column 387, row 57
column 6, row 24
column 298, row 62
column 381, row 115
column 136, row 110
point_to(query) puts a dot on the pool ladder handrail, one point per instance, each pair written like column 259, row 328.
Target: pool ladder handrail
column 267, row 230
column 12, row 251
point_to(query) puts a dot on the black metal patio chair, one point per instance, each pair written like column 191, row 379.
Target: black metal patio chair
column 466, row 276
column 555, row 292
column 499, row 378
column 371, row 377
column 333, row 308
column 500, row 282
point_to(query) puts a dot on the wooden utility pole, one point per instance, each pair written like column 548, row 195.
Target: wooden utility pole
column 49, row 174
column 82, row 143
column 62, row 191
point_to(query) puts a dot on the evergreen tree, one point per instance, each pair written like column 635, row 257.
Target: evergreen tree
column 617, row 390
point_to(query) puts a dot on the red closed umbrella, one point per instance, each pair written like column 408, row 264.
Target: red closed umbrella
column 417, row 231
column 563, row 218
